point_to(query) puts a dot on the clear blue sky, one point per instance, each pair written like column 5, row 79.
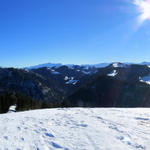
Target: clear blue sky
column 71, row 31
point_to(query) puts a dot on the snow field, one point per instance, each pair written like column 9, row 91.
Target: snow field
column 76, row 129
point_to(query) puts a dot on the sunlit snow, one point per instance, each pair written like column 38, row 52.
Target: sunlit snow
column 72, row 82
column 76, row 129
column 113, row 73
column 117, row 65
column 12, row 109
column 145, row 79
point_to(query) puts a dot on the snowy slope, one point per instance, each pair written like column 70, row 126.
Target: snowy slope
column 145, row 79
column 113, row 73
column 76, row 129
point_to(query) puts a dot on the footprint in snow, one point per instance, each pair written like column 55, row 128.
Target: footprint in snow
column 25, row 128
column 114, row 127
column 143, row 121
column 125, row 140
column 6, row 137
column 55, row 145
column 43, row 129
column 140, row 147
column 139, row 118
column 19, row 128
column 100, row 118
column 36, row 131
column 82, row 125
column 49, row 135
column 40, row 122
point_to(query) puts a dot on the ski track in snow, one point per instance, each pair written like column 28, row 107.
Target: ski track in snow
column 76, row 129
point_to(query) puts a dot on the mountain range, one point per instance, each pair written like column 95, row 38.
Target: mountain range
column 99, row 65
column 101, row 85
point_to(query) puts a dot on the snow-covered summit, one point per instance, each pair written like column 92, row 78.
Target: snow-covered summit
column 119, row 65
column 76, row 129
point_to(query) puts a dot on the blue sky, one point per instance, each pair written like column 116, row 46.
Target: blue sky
column 71, row 31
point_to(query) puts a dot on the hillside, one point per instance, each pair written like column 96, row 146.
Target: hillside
column 117, row 85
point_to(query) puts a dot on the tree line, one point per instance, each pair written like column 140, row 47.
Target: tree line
column 24, row 102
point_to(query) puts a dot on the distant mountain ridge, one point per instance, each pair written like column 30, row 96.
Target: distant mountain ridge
column 103, row 85
column 99, row 65
column 50, row 65
column 56, row 65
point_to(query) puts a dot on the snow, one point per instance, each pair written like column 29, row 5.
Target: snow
column 76, row 129
column 72, row 78
column 66, row 78
column 72, row 82
column 119, row 65
column 26, row 70
column 54, row 72
column 145, row 79
column 86, row 72
column 12, row 109
column 113, row 73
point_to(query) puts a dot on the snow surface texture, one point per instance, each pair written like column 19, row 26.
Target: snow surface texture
column 76, row 129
